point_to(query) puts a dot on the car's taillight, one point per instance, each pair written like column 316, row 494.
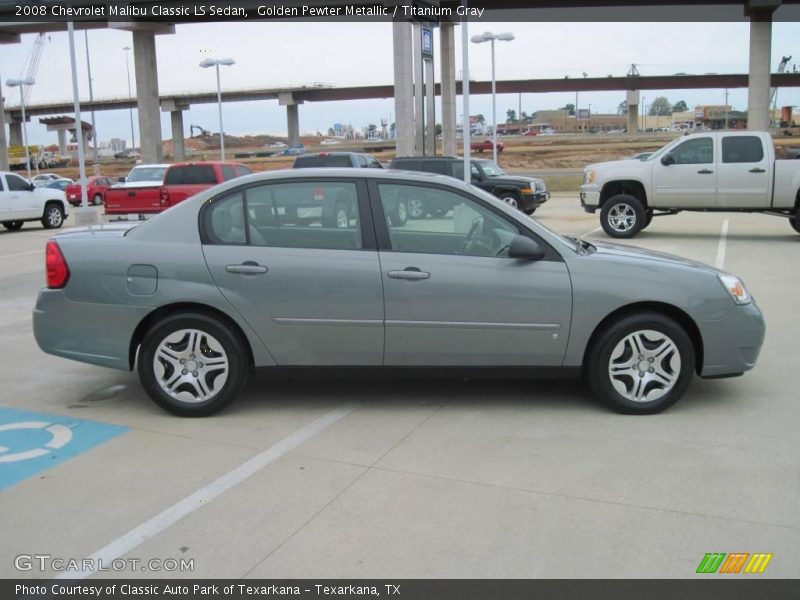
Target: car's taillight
column 164, row 196
column 56, row 265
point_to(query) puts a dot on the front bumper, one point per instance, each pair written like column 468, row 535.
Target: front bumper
column 590, row 198
column 534, row 200
column 731, row 345
column 98, row 334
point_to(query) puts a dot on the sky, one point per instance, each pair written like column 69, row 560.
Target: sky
column 271, row 54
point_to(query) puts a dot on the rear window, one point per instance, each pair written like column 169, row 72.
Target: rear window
column 147, row 174
column 336, row 160
column 242, row 170
column 228, row 172
column 191, row 175
column 742, row 149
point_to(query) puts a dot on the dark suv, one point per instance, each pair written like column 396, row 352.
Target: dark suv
column 398, row 207
column 525, row 193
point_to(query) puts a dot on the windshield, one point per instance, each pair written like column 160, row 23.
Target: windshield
column 490, row 169
column 147, row 174
column 663, row 149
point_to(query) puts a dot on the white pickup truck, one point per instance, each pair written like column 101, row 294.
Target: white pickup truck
column 21, row 201
column 712, row 171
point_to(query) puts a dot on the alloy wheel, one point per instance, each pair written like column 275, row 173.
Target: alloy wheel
column 621, row 217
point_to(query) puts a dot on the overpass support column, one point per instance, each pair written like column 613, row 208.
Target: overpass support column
column 403, row 88
column 3, row 142
column 15, row 133
column 292, row 117
column 633, row 99
column 147, row 103
column 62, row 142
column 178, row 148
column 448, row 68
column 758, row 117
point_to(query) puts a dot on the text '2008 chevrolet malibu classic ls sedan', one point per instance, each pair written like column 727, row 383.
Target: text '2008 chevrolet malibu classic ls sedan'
column 263, row 271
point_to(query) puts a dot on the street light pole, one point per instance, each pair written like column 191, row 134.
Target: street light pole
column 77, row 108
column 216, row 62
column 130, row 95
column 91, row 96
column 491, row 37
column 21, row 83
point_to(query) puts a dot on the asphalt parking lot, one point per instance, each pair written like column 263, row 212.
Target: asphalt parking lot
column 413, row 479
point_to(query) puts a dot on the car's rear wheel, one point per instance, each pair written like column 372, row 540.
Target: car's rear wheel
column 416, row 209
column 12, row 225
column 399, row 215
column 622, row 216
column 53, row 217
column 192, row 365
column 97, row 200
column 795, row 221
column 641, row 364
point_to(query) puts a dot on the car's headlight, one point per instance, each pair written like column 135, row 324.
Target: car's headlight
column 588, row 176
column 735, row 288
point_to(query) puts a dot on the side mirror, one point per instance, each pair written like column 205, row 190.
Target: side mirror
column 667, row 160
column 525, row 248
column 31, row 187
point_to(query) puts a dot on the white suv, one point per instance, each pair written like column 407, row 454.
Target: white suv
column 21, row 201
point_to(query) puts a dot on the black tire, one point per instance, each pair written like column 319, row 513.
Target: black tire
column 795, row 221
column 618, row 207
column 232, row 346
column 13, row 225
column 439, row 212
column 511, row 199
column 648, row 219
column 53, row 217
column 97, row 199
column 601, row 353
column 399, row 216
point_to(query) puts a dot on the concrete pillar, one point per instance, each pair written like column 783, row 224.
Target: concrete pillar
column 62, row 141
column 419, row 93
column 178, row 147
column 448, row 69
column 758, row 92
column 403, row 88
column 15, row 133
column 633, row 98
column 430, row 110
column 144, row 60
column 293, row 124
column 3, row 142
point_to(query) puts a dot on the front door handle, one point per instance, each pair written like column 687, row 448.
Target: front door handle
column 247, row 268
column 757, row 170
column 705, row 171
column 410, row 273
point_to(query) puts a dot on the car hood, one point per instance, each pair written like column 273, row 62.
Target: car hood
column 623, row 252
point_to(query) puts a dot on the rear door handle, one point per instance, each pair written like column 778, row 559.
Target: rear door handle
column 410, row 273
column 247, row 268
column 757, row 170
column 705, row 171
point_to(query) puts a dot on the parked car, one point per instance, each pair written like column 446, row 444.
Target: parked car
column 21, row 201
column 525, row 193
column 734, row 171
column 398, row 210
column 58, row 184
column 44, row 178
column 202, row 294
column 181, row 181
column 480, row 146
column 95, row 190
column 531, row 133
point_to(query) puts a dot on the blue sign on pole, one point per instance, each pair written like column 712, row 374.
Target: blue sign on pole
column 32, row 442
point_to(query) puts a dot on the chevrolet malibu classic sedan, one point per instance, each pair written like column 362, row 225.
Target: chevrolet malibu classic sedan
column 254, row 273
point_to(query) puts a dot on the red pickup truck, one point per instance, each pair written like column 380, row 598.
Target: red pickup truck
column 486, row 145
column 181, row 181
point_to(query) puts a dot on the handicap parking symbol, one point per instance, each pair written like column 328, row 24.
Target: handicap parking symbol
column 33, row 442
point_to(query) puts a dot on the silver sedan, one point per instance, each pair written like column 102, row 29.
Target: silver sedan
column 308, row 268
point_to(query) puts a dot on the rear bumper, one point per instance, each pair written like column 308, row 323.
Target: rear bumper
column 731, row 345
column 98, row 334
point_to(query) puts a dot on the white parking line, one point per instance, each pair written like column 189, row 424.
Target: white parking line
column 21, row 254
column 720, row 262
column 173, row 514
column 588, row 233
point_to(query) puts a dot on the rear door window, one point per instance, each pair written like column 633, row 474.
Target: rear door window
column 17, row 183
column 228, row 172
column 742, row 149
column 191, row 175
column 242, row 170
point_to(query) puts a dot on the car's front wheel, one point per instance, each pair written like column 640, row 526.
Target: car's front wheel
column 53, row 217
column 192, row 364
column 510, row 199
column 399, row 215
column 641, row 364
column 12, row 225
column 623, row 216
